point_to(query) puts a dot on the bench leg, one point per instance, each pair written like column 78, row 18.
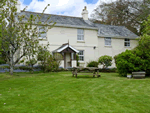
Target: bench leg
column 76, row 72
column 98, row 74
column 94, row 74
column 72, row 73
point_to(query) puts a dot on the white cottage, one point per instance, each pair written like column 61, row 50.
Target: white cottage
column 87, row 39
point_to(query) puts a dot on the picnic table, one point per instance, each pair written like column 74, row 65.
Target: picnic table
column 76, row 70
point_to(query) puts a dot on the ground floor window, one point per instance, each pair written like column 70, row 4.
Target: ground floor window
column 81, row 55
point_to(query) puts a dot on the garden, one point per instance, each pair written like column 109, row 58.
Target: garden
column 60, row 92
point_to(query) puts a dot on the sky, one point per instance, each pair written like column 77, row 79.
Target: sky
column 61, row 7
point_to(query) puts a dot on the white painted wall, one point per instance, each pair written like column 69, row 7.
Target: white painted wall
column 117, row 46
column 62, row 64
column 60, row 35
column 74, row 63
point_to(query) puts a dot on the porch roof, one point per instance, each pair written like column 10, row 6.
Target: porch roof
column 63, row 47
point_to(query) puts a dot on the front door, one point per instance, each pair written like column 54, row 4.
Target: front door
column 67, row 62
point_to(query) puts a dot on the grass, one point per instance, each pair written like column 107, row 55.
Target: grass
column 61, row 93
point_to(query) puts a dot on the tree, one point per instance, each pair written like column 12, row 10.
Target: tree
column 105, row 61
column 129, row 13
column 48, row 61
column 137, row 59
column 19, row 34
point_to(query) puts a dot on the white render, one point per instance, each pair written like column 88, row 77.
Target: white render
column 60, row 35
column 85, row 13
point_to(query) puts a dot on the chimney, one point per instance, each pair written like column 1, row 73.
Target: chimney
column 18, row 6
column 85, row 13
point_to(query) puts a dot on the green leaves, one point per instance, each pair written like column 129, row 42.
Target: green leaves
column 105, row 61
column 19, row 34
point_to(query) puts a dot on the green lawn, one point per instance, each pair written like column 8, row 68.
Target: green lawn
column 61, row 93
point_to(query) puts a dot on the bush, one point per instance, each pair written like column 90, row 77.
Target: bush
column 49, row 63
column 109, row 70
column 105, row 61
column 2, row 61
column 78, row 63
column 92, row 64
column 130, row 61
column 23, row 68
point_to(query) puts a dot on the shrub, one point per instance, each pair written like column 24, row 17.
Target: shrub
column 48, row 62
column 129, row 61
column 105, row 61
column 78, row 63
column 92, row 64
column 109, row 70
column 2, row 61
column 23, row 68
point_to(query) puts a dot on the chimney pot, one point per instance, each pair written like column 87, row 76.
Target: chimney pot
column 85, row 13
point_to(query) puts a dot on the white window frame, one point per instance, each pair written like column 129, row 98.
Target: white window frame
column 45, row 30
column 107, row 41
column 127, row 42
column 80, row 35
column 81, row 56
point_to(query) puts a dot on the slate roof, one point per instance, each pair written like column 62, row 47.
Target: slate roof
column 64, row 46
column 61, row 20
column 114, row 31
column 78, row 22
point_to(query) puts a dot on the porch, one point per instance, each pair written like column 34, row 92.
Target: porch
column 69, row 55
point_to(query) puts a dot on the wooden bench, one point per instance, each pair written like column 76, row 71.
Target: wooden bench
column 138, row 74
column 76, row 70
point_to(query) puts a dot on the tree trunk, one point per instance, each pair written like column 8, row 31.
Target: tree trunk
column 11, row 70
column 11, row 63
column 32, row 70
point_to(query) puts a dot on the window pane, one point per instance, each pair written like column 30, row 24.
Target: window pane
column 127, row 39
column 81, row 55
column 80, row 34
column 42, row 32
column 72, row 56
column 127, row 42
column 108, row 41
column 82, row 37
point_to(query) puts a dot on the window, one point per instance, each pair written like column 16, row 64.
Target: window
column 127, row 42
column 80, row 35
column 72, row 56
column 108, row 41
column 42, row 32
column 81, row 55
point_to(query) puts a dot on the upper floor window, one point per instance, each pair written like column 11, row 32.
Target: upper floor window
column 81, row 55
column 127, row 42
column 42, row 32
column 107, row 41
column 80, row 35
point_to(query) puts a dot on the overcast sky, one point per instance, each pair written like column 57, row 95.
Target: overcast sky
column 61, row 7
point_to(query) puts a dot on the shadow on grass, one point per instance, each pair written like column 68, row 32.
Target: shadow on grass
column 87, row 77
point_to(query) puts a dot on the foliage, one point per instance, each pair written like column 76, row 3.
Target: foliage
column 105, row 61
column 2, row 61
column 48, row 62
column 77, row 57
column 127, row 62
column 129, row 13
column 92, row 64
column 31, row 63
column 138, row 58
column 18, row 35
column 108, row 70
